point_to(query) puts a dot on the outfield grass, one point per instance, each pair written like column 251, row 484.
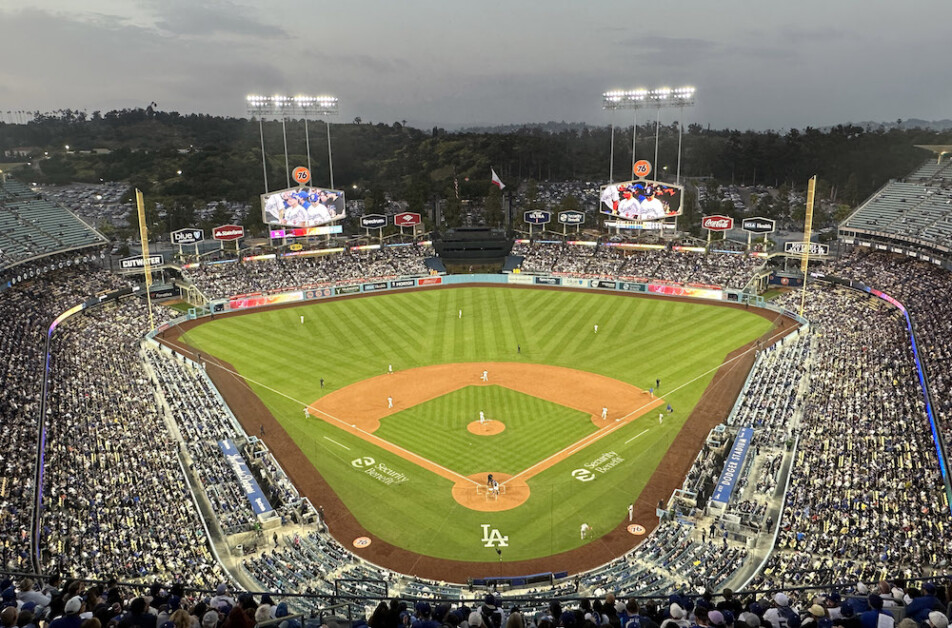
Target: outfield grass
column 346, row 341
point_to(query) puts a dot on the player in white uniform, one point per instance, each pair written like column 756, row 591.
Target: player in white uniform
column 651, row 207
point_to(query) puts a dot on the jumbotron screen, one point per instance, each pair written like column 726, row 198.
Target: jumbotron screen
column 641, row 200
column 302, row 207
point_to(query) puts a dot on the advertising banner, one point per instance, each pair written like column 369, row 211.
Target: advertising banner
column 537, row 217
column 684, row 291
column 253, row 492
column 797, row 248
column 520, row 279
column 758, row 225
column 129, row 263
column 187, row 236
column 601, row 283
column 377, row 285
column 403, row 283
column 548, row 281
column 373, row 221
column 429, row 281
column 733, row 466
column 228, row 232
column 347, row 289
column 571, row 217
column 632, row 287
column 318, row 293
column 406, row 219
column 265, row 299
column 304, row 233
column 717, row 223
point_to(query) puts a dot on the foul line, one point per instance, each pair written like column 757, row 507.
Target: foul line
column 449, row 474
column 542, row 465
column 633, row 437
column 336, row 443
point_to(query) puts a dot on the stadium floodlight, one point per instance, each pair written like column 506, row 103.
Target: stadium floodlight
column 284, row 108
column 641, row 98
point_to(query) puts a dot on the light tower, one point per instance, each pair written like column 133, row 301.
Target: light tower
column 635, row 99
column 286, row 108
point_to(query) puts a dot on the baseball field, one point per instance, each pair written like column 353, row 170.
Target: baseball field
column 426, row 393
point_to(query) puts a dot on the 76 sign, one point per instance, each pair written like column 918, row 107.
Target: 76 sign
column 301, row 175
column 642, row 168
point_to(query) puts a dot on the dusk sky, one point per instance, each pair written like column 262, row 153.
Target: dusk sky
column 756, row 65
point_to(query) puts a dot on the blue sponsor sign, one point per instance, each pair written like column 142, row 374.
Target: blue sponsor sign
column 549, row 281
column 632, row 287
column 377, row 285
column 537, row 217
column 732, row 466
column 259, row 503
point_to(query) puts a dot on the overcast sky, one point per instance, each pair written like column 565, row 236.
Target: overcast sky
column 756, row 64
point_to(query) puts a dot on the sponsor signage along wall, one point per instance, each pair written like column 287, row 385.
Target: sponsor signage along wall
column 137, row 262
column 406, row 219
column 373, row 221
column 717, row 223
column 548, row 281
column 632, row 287
column 429, row 281
column 797, row 248
column 758, row 225
column 537, row 217
column 519, row 279
column 347, row 289
column 403, row 283
column 377, row 285
column 187, row 236
column 733, row 466
column 259, row 503
column 228, row 232
column 571, row 217
column 601, row 283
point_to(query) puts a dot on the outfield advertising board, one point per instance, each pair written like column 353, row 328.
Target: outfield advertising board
column 373, row 221
column 548, row 281
column 604, row 284
column 429, row 281
column 407, row 219
column 537, row 217
column 403, row 283
column 571, row 217
column 758, row 225
column 641, row 200
column 717, row 222
column 241, row 303
column 352, row 289
column 520, row 279
column 226, row 233
column 376, row 285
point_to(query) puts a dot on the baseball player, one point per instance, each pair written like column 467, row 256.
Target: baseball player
column 389, row 402
column 482, row 418
column 596, row 328
column 584, row 530
column 461, row 313
column 390, row 369
column 660, row 418
column 604, row 413
column 485, row 376
column 307, row 413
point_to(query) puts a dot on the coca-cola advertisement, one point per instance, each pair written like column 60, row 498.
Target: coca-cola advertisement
column 717, row 223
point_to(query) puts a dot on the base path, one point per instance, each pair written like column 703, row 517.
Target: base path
column 358, row 408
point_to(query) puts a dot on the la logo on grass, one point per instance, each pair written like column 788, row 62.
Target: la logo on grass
column 493, row 538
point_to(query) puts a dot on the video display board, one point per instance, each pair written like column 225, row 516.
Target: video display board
column 302, row 207
column 641, row 200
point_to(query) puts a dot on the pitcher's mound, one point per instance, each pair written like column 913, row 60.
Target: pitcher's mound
column 475, row 495
column 486, row 429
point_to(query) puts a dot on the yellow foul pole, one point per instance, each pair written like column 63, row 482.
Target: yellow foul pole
column 144, row 237
column 807, row 233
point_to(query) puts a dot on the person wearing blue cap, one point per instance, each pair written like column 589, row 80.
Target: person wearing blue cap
column 422, row 616
column 920, row 607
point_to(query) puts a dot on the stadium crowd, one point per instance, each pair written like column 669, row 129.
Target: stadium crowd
column 219, row 280
column 727, row 270
column 865, row 493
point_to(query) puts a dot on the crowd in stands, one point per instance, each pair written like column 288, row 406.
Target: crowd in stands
column 235, row 278
column 112, row 505
column 719, row 269
column 865, row 494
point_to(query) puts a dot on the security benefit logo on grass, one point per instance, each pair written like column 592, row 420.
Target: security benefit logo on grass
column 602, row 464
column 378, row 471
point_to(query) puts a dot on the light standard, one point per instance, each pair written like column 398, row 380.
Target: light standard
column 298, row 107
column 635, row 99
